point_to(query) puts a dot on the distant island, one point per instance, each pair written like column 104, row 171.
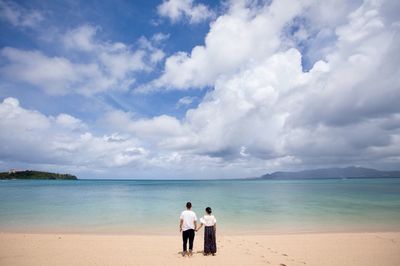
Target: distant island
column 28, row 174
column 333, row 173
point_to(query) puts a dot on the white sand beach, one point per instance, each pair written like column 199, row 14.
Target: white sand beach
column 319, row 249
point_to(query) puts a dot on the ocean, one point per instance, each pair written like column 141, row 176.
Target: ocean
column 240, row 206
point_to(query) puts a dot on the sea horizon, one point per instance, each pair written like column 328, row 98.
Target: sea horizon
column 223, row 179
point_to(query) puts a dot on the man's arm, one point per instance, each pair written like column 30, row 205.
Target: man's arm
column 180, row 225
column 201, row 225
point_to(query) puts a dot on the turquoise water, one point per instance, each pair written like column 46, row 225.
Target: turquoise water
column 240, row 205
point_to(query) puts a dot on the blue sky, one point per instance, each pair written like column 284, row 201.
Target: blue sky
column 119, row 21
column 198, row 89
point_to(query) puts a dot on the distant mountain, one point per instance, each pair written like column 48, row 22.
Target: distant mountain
column 330, row 173
column 28, row 174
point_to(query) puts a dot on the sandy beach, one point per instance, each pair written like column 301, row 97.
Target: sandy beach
column 286, row 249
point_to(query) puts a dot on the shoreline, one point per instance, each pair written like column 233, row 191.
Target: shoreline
column 322, row 249
column 230, row 232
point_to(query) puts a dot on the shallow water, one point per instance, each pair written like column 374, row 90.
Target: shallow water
column 137, row 206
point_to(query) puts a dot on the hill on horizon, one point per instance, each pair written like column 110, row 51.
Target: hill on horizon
column 332, row 173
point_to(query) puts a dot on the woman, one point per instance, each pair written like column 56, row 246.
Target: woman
column 210, row 227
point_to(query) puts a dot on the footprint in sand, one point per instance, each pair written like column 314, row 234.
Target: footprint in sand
column 284, row 254
column 282, row 264
column 271, row 250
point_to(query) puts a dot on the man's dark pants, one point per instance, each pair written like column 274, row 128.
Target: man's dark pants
column 188, row 234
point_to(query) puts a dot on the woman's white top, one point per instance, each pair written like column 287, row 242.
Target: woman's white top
column 208, row 220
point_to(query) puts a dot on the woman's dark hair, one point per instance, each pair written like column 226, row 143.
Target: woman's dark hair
column 208, row 210
column 189, row 205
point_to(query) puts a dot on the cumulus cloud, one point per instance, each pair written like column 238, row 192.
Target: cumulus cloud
column 177, row 10
column 266, row 106
column 241, row 36
column 105, row 65
column 69, row 122
column 31, row 137
column 19, row 16
column 266, row 111
column 152, row 131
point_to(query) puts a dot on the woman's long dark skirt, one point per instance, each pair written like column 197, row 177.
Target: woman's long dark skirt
column 210, row 245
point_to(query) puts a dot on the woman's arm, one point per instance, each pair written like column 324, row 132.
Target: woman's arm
column 215, row 227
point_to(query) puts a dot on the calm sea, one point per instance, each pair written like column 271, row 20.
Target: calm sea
column 241, row 206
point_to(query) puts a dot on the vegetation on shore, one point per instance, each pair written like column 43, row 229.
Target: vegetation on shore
column 28, row 174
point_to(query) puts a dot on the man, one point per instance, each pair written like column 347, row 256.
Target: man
column 187, row 225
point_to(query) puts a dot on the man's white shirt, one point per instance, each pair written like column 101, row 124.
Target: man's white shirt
column 188, row 217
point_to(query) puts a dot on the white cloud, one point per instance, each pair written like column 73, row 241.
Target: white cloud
column 265, row 105
column 104, row 65
column 69, row 122
column 185, row 101
column 31, row 137
column 155, row 54
column 81, row 38
column 160, row 37
column 176, row 10
column 265, row 112
column 240, row 37
column 18, row 16
column 55, row 75
column 156, row 128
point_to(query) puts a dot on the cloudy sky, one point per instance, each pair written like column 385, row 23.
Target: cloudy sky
column 198, row 89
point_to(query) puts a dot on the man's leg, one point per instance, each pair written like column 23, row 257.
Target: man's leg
column 185, row 238
column 191, row 238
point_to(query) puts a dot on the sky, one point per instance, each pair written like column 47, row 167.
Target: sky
column 193, row 89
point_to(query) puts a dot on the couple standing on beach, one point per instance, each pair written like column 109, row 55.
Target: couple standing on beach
column 188, row 227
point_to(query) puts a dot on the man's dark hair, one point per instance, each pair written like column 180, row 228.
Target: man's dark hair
column 208, row 210
column 188, row 205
